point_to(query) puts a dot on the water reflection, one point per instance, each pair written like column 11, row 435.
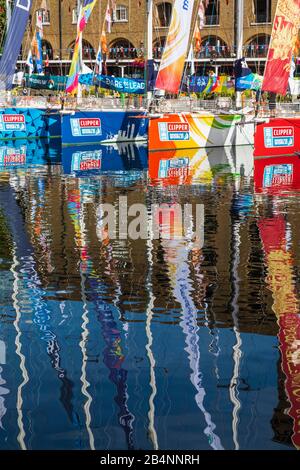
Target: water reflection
column 109, row 343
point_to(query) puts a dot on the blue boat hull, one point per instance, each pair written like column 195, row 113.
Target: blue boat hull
column 92, row 127
column 29, row 123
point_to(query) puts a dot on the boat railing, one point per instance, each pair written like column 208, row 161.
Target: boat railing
column 112, row 103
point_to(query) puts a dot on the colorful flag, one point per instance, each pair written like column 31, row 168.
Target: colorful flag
column 197, row 38
column 14, row 38
column 108, row 17
column 29, row 62
column 175, row 51
column 37, row 41
column 85, row 13
column 283, row 40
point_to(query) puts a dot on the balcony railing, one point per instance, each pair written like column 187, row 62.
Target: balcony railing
column 136, row 55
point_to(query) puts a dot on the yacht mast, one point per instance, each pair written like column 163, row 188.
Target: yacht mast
column 149, row 29
column 149, row 13
column 239, row 37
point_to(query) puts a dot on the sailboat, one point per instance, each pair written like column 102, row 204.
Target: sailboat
column 101, row 121
column 28, row 117
column 196, row 128
column 280, row 135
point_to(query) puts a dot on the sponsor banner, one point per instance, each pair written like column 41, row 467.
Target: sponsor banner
column 82, row 127
column 175, row 52
column 173, row 168
column 10, row 157
column 86, row 161
column 283, row 40
column 174, row 131
column 252, row 81
column 198, row 84
column 45, row 82
column 14, row 38
column 122, row 85
column 279, row 136
column 12, row 122
column 278, row 175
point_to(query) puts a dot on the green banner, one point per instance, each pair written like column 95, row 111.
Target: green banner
column 46, row 82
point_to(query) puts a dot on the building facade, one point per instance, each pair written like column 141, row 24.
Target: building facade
column 127, row 39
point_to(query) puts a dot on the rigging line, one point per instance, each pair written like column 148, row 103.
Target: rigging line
column 149, row 316
column 18, row 343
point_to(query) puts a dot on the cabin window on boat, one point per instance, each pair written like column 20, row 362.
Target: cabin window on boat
column 262, row 11
column 163, row 14
column 45, row 15
column 212, row 12
column 120, row 13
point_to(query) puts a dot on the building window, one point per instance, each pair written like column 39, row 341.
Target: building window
column 262, row 9
column 212, row 13
column 164, row 14
column 74, row 16
column 120, row 14
column 45, row 15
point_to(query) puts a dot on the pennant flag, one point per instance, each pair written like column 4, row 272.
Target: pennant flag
column 175, row 51
column 108, row 17
column 241, row 70
column 85, row 13
column 14, row 38
column 38, row 43
column 283, row 40
column 191, row 60
column 197, row 38
column 29, row 62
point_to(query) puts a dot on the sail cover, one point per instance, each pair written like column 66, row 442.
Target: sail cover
column 85, row 13
column 13, row 42
column 175, row 52
column 283, row 39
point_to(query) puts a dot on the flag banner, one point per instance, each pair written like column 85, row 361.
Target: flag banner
column 241, row 71
column 283, row 40
column 13, row 42
column 151, row 74
column 253, row 81
column 85, row 13
column 122, row 85
column 45, row 82
column 198, row 84
column 175, row 51
column 29, row 62
column 38, row 38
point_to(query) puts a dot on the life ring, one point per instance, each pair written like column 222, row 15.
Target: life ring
column 24, row 91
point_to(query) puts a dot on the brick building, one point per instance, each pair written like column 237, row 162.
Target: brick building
column 128, row 33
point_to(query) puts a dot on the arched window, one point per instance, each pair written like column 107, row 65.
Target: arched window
column 258, row 46
column 88, row 52
column 262, row 9
column 120, row 14
column 122, row 49
column 164, row 14
column 47, row 50
column 212, row 12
